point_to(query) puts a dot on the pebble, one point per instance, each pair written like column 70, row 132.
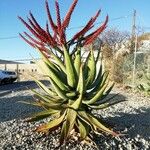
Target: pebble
column 16, row 134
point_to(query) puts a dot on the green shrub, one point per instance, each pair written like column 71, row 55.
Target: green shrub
column 145, row 87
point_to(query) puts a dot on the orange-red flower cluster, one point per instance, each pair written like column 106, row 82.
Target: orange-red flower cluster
column 42, row 38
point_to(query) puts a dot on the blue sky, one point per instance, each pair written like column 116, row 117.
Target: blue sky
column 10, row 26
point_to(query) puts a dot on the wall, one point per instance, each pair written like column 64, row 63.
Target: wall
column 24, row 71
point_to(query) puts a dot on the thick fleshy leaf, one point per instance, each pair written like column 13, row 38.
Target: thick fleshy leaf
column 100, row 126
column 41, row 115
column 77, row 61
column 50, row 125
column 70, row 70
column 58, row 61
column 68, row 125
column 58, row 90
column 98, row 95
column 99, row 85
column 106, row 93
column 85, row 66
column 46, row 60
column 31, row 103
column 44, row 88
column 97, row 80
column 106, row 104
column 48, row 99
column 49, row 72
column 91, row 69
column 84, row 129
column 80, row 89
column 94, row 121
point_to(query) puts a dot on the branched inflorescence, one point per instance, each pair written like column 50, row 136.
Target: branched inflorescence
column 44, row 38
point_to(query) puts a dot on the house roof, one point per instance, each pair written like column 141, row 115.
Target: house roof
column 8, row 62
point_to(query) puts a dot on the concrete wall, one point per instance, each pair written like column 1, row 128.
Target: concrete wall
column 24, row 71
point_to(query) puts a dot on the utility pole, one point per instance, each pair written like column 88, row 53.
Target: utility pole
column 134, row 41
column 133, row 34
column 134, row 62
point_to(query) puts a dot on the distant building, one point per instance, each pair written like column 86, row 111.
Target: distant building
column 8, row 62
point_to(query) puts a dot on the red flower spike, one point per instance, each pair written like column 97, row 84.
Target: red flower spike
column 34, row 21
column 33, row 25
column 44, row 38
column 42, row 34
column 68, row 15
column 32, row 39
column 50, row 38
column 87, row 27
column 60, row 30
column 58, row 15
column 55, row 37
column 83, row 31
column 63, row 38
column 47, row 27
column 96, row 16
column 29, row 27
column 32, row 30
column 53, row 26
column 36, row 26
column 94, row 35
column 30, row 43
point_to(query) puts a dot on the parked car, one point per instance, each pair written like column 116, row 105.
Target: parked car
column 7, row 76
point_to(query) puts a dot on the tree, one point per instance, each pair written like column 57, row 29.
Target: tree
column 116, row 45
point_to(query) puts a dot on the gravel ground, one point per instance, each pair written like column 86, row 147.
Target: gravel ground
column 132, row 118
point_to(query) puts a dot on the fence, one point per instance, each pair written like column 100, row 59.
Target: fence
column 135, row 67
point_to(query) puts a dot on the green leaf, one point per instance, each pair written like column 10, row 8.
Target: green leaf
column 98, row 55
column 52, row 124
column 106, row 104
column 99, row 85
column 60, row 92
column 30, row 103
column 44, row 88
column 95, row 122
column 68, row 125
column 85, row 66
column 106, row 93
column 84, row 128
column 48, row 99
column 46, row 60
column 80, row 89
column 97, row 80
column 49, row 72
column 58, row 61
column 77, row 61
column 41, row 115
column 70, row 70
column 97, row 96
column 71, row 94
column 100, row 126
column 91, row 65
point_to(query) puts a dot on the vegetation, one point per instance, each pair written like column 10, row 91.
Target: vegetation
column 116, row 46
column 77, row 86
column 145, row 87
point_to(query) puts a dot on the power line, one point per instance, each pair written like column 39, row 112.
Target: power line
column 146, row 28
column 72, row 28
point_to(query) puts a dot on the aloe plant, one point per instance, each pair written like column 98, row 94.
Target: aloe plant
column 77, row 86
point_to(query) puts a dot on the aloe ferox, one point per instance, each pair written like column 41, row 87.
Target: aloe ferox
column 77, row 85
